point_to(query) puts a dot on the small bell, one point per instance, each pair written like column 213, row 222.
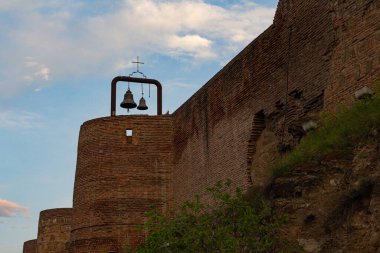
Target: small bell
column 142, row 104
column 128, row 101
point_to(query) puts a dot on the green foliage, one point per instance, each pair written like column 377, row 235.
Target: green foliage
column 337, row 132
column 230, row 224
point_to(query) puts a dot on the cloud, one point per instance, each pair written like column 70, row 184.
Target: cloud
column 43, row 72
column 16, row 119
column 193, row 45
column 45, row 40
column 10, row 209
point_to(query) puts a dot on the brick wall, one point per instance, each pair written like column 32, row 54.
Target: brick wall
column 54, row 228
column 30, row 246
column 356, row 58
column 283, row 72
column 315, row 56
column 118, row 178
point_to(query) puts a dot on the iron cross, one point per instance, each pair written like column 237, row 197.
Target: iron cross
column 138, row 63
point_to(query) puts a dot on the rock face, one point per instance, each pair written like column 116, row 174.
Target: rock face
column 334, row 206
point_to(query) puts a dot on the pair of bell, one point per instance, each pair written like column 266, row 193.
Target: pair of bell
column 129, row 103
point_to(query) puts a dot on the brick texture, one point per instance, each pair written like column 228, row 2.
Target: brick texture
column 356, row 58
column 314, row 57
column 30, row 246
column 54, row 228
column 283, row 73
column 118, row 179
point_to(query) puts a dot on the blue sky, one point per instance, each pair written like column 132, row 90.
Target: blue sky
column 57, row 59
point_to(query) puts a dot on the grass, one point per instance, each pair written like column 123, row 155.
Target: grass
column 337, row 131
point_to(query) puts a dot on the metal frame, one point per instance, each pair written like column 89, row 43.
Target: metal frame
column 135, row 80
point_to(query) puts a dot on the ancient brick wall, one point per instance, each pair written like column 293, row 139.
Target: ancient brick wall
column 118, row 179
column 315, row 56
column 30, row 246
column 282, row 73
column 356, row 59
column 54, row 228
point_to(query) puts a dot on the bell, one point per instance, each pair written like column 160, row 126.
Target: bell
column 128, row 101
column 142, row 104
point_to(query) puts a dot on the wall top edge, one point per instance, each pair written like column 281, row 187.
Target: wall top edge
column 56, row 211
column 128, row 117
column 30, row 241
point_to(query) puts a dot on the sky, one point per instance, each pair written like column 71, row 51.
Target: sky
column 57, row 60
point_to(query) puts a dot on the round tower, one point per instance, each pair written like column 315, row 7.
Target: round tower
column 123, row 168
column 54, row 228
column 30, row 246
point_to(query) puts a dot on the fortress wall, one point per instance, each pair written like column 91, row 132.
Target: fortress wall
column 30, row 246
column 314, row 56
column 54, row 228
column 356, row 59
column 118, row 179
column 213, row 129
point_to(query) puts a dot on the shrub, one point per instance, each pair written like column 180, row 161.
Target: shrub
column 231, row 224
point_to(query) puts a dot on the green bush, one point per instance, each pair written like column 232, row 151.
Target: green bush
column 336, row 132
column 231, row 224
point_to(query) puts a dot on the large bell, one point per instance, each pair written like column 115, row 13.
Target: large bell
column 142, row 104
column 128, row 101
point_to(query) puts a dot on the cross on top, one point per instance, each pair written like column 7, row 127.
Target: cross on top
column 138, row 63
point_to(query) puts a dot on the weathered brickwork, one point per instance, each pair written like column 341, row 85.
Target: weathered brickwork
column 54, row 228
column 30, row 246
column 282, row 74
column 118, row 179
column 356, row 58
column 315, row 56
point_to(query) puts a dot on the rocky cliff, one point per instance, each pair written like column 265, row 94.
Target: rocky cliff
column 334, row 206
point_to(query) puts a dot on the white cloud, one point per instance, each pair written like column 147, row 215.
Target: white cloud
column 10, row 209
column 193, row 45
column 63, row 39
column 16, row 119
column 30, row 63
column 43, row 72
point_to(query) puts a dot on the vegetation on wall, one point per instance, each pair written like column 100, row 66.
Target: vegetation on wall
column 337, row 131
column 233, row 223
column 237, row 223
